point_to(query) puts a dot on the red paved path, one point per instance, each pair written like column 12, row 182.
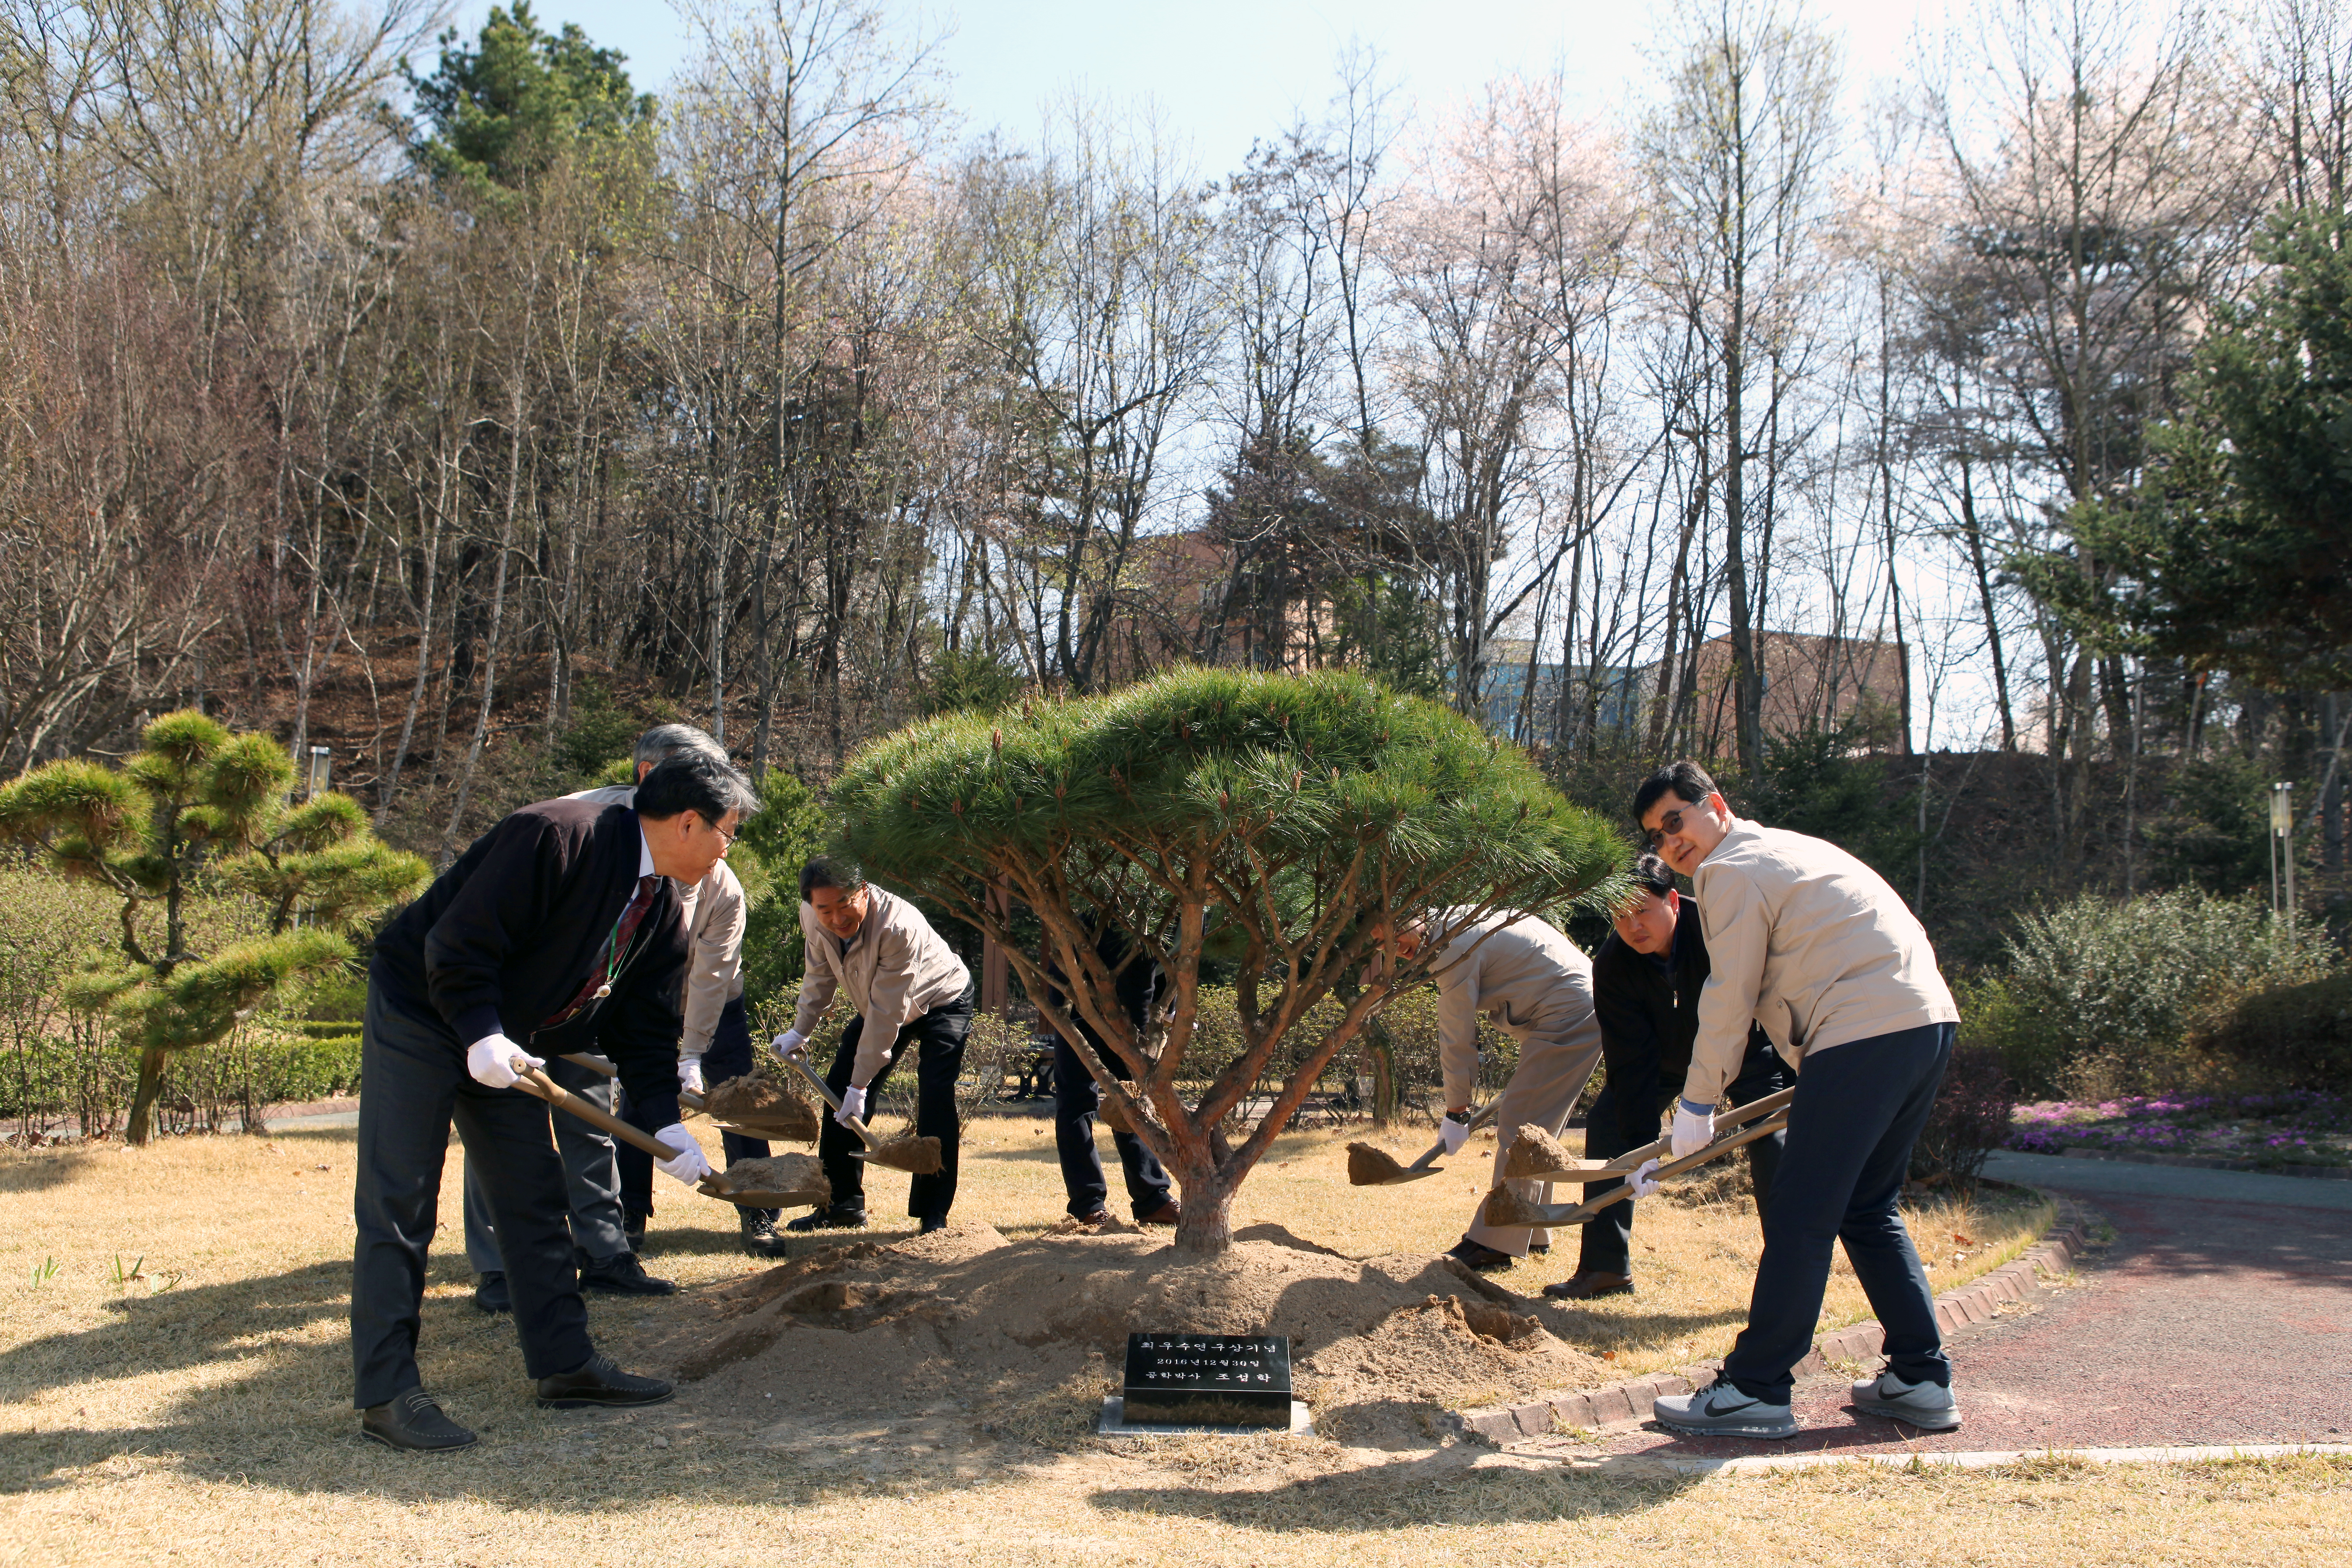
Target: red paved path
column 2221, row 1314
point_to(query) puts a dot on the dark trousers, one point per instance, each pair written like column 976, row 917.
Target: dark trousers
column 412, row 1085
column 1626, row 1116
column 937, row 1037
column 1859, row 1108
column 1077, row 1098
column 729, row 1056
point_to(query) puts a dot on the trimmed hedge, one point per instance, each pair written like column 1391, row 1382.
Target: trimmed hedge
column 2300, row 1036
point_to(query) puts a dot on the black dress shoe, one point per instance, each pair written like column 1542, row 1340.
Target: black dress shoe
column 932, row 1225
column 759, row 1238
column 839, row 1216
column 633, row 1227
column 1479, row 1256
column 1539, row 1249
column 622, row 1275
column 1588, row 1287
column 413, row 1422
column 490, row 1293
column 599, row 1383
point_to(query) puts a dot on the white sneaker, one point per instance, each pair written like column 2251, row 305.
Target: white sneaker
column 1929, row 1407
column 1721, row 1410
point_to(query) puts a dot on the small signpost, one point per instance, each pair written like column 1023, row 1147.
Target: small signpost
column 1205, row 1382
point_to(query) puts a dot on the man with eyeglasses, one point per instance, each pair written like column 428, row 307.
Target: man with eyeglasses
column 560, row 924
column 1814, row 946
column 611, row 1184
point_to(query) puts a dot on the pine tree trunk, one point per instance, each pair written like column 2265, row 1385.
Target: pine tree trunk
column 142, row 1100
column 1205, row 1229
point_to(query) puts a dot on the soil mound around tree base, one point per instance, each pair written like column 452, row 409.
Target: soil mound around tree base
column 1029, row 1335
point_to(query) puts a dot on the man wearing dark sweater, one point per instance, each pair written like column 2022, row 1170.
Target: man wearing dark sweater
column 1645, row 987
column 561, row 921
column 1077, row 1098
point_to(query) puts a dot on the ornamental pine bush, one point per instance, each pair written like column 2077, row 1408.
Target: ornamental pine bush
column 1270, row 820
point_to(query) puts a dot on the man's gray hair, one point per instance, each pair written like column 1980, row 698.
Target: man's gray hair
column 668, row 740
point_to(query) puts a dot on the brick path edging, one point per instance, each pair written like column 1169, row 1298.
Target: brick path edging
column 1971, row 1303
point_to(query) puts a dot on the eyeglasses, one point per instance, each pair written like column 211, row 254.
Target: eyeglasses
column 727, row 839
column 1669, row 823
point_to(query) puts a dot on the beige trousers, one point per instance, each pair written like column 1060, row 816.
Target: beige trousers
column 1556, row 1058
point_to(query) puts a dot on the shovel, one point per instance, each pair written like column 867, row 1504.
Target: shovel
column 1505, row 1209
column 1371, row 1167
column 530, row 1080
column 786, row 1132
column 1625, row 1165
column 916, row 1156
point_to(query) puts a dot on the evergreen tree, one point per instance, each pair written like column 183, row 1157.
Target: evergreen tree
column 1273, row 819
column 2235, row 551
column 505, row 108
column 195, row 808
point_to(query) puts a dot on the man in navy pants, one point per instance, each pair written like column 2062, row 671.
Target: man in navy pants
column 1814, row 946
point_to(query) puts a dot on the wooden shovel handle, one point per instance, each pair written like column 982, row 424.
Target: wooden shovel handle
column 530, row 1080
column 1625, row 1165
column 685, row 1097
column 852, row 1122
column 1721, row 1146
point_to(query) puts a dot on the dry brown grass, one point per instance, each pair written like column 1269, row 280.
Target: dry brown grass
column 200, row 1409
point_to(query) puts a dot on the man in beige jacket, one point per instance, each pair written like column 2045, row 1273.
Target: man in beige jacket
column 1535, row 982
column 1814, row 946
column 909, row 988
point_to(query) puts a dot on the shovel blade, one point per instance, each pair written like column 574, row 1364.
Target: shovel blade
column 916, row 1156
column 1371, row 1167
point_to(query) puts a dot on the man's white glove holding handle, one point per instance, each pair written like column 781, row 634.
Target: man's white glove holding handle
column 490, row 1060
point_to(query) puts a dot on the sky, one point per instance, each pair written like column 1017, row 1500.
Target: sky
column 1224, row 72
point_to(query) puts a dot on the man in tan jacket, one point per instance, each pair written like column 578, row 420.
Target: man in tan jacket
column 1535, row 982
column 1814, row 946
column 909, row 988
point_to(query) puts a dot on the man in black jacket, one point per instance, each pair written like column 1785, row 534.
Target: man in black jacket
column 561, row 918
column 1077, row 1098
column 1646, row 985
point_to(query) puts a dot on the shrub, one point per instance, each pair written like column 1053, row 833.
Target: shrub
column 2295, row 1037
column 1970, row 1121
column 2101, row 997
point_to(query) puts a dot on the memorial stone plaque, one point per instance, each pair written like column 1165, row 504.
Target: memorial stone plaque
column 1209, row 1379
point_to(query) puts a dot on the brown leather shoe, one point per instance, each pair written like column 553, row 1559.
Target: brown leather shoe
column 1168, row 1212
column 1097, row 1217
column 1585, row 1286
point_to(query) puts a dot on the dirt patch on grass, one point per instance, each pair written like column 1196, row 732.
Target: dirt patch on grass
column 1379, row 1346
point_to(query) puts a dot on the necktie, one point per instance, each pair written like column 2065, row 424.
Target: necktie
column 599, row 983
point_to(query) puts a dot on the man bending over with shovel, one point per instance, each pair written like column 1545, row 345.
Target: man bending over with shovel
column 1645, row 987
column 1538, row 985
column 563, row 916
column 1812, row 944
column 909, row 988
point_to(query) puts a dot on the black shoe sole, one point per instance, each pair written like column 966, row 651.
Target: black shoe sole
column 607, row 1402
column 373, row 1435
column 489, row 1311
column 623, row 1289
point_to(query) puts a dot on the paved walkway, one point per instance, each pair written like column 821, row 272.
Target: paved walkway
column 2222, row 1314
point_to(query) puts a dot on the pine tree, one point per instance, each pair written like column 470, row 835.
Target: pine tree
column 197, row 809
column 1273, row 820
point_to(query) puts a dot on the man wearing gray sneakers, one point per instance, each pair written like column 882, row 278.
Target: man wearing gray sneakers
column 1808, row 941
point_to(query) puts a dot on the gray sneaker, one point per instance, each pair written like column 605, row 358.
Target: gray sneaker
column 1720, row 1410
column 1926, row 1406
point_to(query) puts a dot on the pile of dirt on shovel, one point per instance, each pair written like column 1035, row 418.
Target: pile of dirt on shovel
column 1029, row 1335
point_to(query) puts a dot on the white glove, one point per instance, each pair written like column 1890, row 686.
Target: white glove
column 488, row 1059
column 1452, row 1133
column 690, row 1074
column 1640, row 1180
column 791, row 1045
column 1693, row 1130
column 853, row 1106
column 689, row 1166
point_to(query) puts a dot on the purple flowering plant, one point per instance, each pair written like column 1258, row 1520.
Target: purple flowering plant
column 2300, row 1127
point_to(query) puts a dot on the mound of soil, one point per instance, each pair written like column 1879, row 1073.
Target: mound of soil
column 1029, row 1335
column 755, row 1100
